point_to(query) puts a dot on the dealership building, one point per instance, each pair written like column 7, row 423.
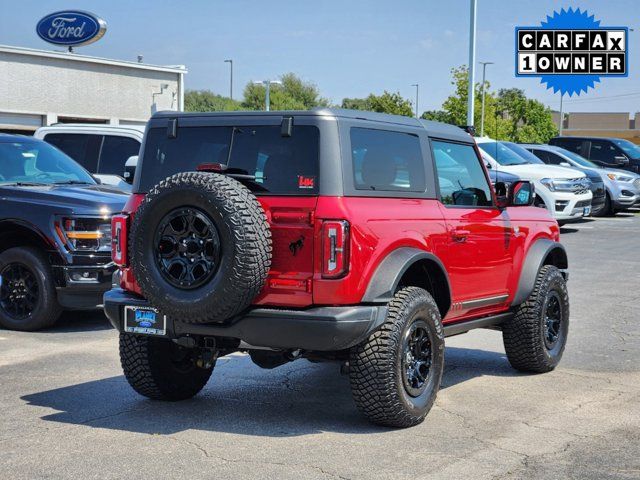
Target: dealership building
column 43, row 87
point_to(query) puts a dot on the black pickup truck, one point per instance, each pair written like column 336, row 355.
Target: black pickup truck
column 55, row 234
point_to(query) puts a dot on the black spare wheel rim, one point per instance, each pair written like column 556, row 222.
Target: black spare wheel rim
column 417, row 357
column 187, row 246
column 18, row 291
column 552, row 320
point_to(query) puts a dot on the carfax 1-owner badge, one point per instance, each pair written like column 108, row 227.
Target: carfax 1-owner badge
column 570, row 51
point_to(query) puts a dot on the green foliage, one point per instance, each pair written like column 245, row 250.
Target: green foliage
column 207, row 101
column 392, row 103
column 509, row 115
column 529, row 121
column 293, row 94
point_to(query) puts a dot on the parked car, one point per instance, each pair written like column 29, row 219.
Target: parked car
column 330, row 235
column 55, row 234
column 565, row 192
column 598, row 199
column 100, row 148
column 604, row 152
column 621, row 187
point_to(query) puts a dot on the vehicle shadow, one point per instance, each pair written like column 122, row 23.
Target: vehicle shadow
column 300, row 398
column 80, row 321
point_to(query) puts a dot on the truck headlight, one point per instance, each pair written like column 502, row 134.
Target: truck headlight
column 566, row 184
column 85, row 234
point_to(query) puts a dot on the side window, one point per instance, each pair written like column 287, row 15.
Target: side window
column 461, row 178
column 542, row 155
column 573, row 144
column 82, row 148
column 384, row 160
column 555, row 159
column 115, row 152
column 603, row 151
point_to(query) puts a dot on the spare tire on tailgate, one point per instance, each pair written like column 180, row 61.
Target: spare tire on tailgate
column 200, row 247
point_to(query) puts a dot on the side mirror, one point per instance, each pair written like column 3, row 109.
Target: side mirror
column 502, row 194
column 97, row 179
column 521, row 194
column 488, row 166
column 565, row 164
column 621, row 160
column 130, row 168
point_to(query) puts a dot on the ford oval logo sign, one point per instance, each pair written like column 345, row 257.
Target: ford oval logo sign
column 71, row 28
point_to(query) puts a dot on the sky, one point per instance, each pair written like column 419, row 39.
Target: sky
column 348, row 48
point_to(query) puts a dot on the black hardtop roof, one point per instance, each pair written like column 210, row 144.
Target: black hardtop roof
column 434, row 129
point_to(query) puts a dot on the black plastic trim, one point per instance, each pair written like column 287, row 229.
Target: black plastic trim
column 387, row 276
column 537, row 254
column 317, row 329
column 485, row 322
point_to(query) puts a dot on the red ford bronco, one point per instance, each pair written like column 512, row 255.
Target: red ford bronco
column 329, row 235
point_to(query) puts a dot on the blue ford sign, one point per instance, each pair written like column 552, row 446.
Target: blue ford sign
column 71, row 28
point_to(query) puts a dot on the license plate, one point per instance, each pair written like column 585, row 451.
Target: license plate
column 587, row 211
column 144, row 320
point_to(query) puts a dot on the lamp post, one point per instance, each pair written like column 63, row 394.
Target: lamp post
column 484, row 88
column 267, row 84
column 417, row 93
column 230, row 62
column 472, row 61
column 561, row 126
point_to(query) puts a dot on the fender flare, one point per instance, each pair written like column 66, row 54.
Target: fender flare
column 384, row 282
column 536, row 257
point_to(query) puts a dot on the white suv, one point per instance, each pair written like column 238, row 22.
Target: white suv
column 565, row 192
column 100, row 148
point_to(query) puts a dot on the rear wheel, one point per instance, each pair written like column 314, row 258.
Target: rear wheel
column 535, row 338
column 395, row 374
column 28, row 299
column 160, row 369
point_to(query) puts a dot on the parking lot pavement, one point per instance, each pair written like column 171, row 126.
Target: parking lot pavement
column 67, row 411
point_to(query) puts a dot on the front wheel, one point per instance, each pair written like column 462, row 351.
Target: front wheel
column 160, row 369
column 395, row 374
column 535, row 338
column 28, row 299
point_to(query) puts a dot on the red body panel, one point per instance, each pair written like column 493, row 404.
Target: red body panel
column 482, row 249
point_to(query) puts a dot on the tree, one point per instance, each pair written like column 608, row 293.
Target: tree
column 510, row 115
column 388, row 102
column 207, row 101
column 437, row 116
column 293, row 94
column 529, row 121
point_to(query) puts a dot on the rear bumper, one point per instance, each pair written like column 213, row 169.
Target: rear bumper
column 318, row 329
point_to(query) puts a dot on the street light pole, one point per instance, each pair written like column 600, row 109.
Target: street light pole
column 484, row 88
column 561, row 126
column 267, row 84
column 417, row 93
column 472, row 61
column 230, row 62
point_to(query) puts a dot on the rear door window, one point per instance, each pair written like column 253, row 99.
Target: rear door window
column 385, row 160
column 603, row 151
column 274, row 164
column 83, row 148
column 461, row 179
column 115, row 152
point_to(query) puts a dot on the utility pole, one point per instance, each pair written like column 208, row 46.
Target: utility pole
column 267, row 84
column 230, row 62
column 417, row 93
column 561, row 126
column 472, row 61
column 484, row 88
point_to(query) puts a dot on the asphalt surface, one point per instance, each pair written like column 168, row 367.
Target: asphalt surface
column 67, row 411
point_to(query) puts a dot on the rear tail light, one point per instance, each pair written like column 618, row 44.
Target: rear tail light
column 119, row 224
column 335, row 248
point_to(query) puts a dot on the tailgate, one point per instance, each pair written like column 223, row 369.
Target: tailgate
column 292, row 228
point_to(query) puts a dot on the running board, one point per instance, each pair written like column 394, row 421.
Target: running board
column 484, row 322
